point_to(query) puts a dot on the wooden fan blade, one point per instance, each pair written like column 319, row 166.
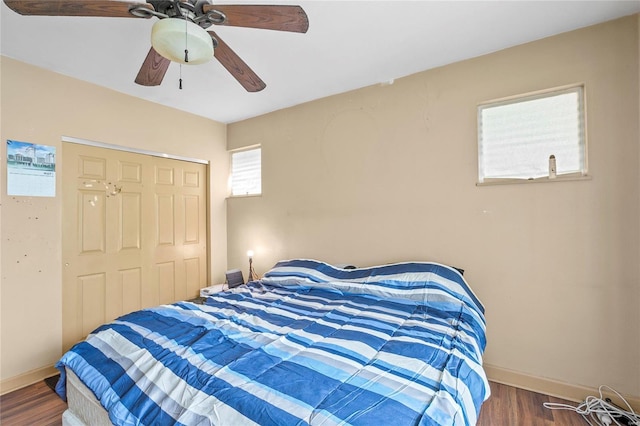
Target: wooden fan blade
column 267, row 17
column 104, row 8
column 153, row 69
column 236, row 66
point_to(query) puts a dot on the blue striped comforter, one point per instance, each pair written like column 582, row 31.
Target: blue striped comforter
column 311, row 344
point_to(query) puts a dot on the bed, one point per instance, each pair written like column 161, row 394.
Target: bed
column 308, row 343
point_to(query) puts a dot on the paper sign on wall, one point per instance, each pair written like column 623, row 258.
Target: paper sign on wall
column 31, row 169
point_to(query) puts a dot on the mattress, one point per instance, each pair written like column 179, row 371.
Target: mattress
column 84, row 409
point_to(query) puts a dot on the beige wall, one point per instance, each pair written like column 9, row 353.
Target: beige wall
column 40, row 107
column 388, row 173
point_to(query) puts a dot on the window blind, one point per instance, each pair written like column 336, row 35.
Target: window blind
column 517, row 137
column 246, row 172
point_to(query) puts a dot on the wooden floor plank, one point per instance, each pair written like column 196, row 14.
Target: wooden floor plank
column 499, row 406
column 530, row 407
column 34, row 405
column 38, row 405
column 509, row 406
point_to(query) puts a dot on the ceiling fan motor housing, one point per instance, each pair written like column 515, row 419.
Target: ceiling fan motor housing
column 191, row 10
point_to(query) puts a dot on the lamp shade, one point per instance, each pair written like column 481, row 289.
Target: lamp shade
column 171, row 36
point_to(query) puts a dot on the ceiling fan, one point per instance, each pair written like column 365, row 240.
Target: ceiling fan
column 180, row 35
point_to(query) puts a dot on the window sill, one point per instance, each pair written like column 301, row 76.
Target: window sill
column 492, row 182
column 244, row 196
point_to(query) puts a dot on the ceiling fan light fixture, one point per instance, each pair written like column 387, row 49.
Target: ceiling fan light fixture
column 171, row 36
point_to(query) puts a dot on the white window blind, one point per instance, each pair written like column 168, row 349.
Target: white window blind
column 517, row 137
column 246, row 172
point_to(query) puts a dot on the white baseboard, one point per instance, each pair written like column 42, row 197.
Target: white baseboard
column 551, row 387
column 26, row 379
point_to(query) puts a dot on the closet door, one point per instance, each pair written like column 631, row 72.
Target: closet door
column 134, row 234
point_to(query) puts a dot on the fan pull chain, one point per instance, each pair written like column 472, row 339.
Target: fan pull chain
column 186, row 41
column 186, row 50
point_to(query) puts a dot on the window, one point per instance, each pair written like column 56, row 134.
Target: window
column 517, row 137
column 246, row 172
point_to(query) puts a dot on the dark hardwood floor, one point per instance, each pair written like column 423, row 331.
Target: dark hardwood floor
column 38, row 405
column 34, row 405
column 509, row 406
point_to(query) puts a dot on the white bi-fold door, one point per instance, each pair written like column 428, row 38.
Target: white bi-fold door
column 134, row 234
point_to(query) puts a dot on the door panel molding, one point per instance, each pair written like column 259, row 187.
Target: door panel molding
column 91, row 222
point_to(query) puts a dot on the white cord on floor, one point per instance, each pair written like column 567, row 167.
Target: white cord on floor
column 600, row 411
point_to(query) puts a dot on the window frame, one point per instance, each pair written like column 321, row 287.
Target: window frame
column 540, row 94
column 230, row 179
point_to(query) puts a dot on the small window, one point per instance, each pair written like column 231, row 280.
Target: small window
column 517, row 137
column 246, row 172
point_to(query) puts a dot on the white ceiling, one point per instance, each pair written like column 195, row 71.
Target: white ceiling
column 349, row 45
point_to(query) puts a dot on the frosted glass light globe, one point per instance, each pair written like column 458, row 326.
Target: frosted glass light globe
column 171, row 36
